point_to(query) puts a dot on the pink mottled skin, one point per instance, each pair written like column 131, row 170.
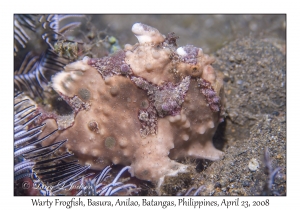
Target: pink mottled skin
column 151, row 104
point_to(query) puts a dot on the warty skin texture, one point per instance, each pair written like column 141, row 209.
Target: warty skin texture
column 119, row 120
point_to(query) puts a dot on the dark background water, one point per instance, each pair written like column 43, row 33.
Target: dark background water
column 210, row 32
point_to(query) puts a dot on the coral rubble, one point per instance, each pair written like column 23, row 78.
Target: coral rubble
column 144, row 106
